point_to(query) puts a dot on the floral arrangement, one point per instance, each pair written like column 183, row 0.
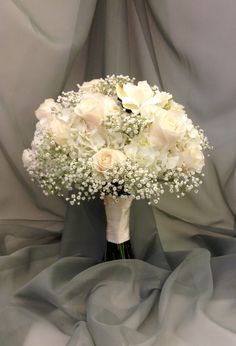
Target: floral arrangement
column 114, row 137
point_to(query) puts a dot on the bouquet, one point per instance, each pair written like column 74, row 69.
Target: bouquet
column 119, row 141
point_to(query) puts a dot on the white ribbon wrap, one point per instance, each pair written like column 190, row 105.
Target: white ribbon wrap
column 117, row 212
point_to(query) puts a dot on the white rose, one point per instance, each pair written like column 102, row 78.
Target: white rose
column 93, row 108
column 59, row 130
column 27, row 157
column 133, row 97
column 167, row 128
column 45, row 109
column 106, row 159
column 89, row 86
column 192, row 158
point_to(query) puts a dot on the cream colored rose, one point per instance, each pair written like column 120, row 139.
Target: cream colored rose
column 192, row 158
column 167, row 128
column 133, row 97
column 45, row 109
column 59, row 130
column 106, row 159
column 93, row 108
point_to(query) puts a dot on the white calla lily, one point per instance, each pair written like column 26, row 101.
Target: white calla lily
column 133, row 97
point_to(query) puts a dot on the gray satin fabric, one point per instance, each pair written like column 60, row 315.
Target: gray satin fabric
column 180, row 289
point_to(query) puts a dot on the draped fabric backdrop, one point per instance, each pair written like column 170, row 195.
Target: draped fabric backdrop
column 181, row 288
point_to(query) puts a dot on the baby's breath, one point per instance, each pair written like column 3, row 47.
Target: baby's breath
column 69, row 99
column 127, row 123
column 107, row 86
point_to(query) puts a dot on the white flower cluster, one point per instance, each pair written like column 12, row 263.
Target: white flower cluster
column 115, row 137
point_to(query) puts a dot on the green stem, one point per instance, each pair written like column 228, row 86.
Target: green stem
column 118, row 251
